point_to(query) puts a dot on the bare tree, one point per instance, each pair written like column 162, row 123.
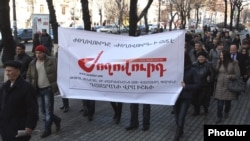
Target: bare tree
column 240, row 8
column 183, row 8
column 8, row 44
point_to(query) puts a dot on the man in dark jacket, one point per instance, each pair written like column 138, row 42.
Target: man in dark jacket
column 46, row 41
column 18, row 105
column 23, row 57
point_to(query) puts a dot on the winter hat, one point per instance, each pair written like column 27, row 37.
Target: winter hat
column 41, row 48
column 13, row 63
column 202, row 53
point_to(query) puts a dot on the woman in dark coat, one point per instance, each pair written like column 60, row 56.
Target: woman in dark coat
column 206, row 72
column 190, row 85
column 226, row 69
column 18, row 105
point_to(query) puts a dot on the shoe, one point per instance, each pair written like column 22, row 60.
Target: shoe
column 130, row 127
column 45, row 134
column 118, row 119
column 172, row 112
column 145, row 128
column 115, row 116
column 195, row 114
column 66, row 109
column 218, row 120
column 90, row 117
column 178, row 134
column 62, row 107
column 226, row 115
column 205, row 110
column 58, row 124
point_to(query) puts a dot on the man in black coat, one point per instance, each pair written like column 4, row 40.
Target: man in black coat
column 18, row 104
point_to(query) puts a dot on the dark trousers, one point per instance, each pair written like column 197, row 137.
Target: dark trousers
column 220, row 107
column 117, row 107
column 201, row 98
column 134, row 115
column 88, row 107
column 65, row 102
column 181, row 108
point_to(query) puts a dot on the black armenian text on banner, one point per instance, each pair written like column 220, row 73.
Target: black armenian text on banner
column 218, row 132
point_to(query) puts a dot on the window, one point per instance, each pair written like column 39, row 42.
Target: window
column 63, row 10
column 41, row 8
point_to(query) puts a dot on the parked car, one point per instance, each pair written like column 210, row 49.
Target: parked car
column 24, row 35
column 109, row 29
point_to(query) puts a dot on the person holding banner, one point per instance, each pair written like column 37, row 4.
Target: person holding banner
column 134, row 122
column 117, row 107
column 190, row 84
column 88, row 108
column 206, row 72
column 42, row 73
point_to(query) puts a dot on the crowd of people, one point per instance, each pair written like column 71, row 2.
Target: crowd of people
column 216, row 58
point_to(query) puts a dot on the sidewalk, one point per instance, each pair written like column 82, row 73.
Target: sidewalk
column 76, row 128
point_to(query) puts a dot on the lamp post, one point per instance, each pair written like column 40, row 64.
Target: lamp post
column 14, row 21
column 159, row 14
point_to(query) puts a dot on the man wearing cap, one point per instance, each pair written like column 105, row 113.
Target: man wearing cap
column 18, row 104
column 23, row 57
column 42, row 73
column 46, row 41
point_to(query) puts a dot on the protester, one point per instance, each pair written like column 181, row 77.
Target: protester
column 35, row 42
column 42, row 73
column 226, row 69
column 23, row 57
column 19, row 109
column 206, row 73
column 46, row 41
column 190, row 85
column 198, row 47
column 65, row 106
column 117, row 108
column 88, row 109
column 245, row 61
column 134, row 122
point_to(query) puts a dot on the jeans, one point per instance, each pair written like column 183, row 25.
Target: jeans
column 220, row 106
column 46, row 105
column 181, row 108
column 134, row 115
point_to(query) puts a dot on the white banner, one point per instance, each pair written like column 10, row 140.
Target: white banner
column 100, row 66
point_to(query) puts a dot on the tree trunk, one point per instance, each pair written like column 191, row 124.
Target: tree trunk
column 8, row 44
column 133, row 17
column 225, row 17
column 197, row 17
column 231, row 15
column 238, row 18
column 86, row 16
column 52, row 20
